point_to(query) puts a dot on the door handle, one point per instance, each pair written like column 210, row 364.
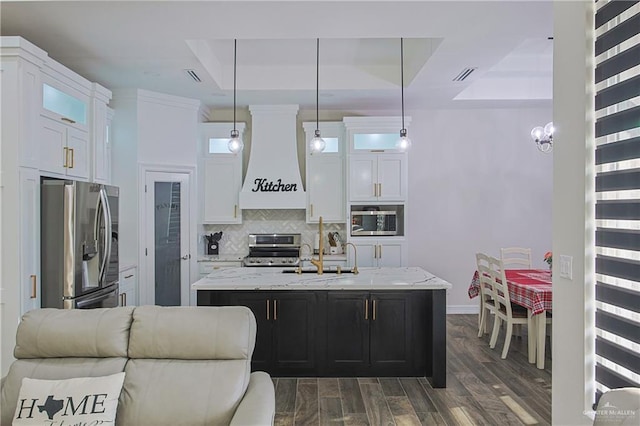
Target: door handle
column 71, row 166
column 374, row 309
column 235, row 211
column 185, row 257
column 275, row 309
column 267, row 309
column 66, row 157
column 366, row 309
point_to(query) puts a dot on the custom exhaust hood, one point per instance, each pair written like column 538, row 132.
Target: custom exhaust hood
column 273, row 176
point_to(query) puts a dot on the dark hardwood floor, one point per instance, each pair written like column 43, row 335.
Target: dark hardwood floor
column 482, row 389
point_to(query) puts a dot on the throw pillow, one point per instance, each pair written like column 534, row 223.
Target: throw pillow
column 83, row 401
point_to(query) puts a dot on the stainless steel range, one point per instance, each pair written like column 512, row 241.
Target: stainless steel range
column 273, row 250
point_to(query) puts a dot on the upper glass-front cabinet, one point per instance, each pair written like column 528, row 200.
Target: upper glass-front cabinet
column 374, row 134
column 332, row 132
column 216, row 137
column 374, row 141
column 70, row 108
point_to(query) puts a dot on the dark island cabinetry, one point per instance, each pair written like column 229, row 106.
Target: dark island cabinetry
column 344, row 332
column 286, row 327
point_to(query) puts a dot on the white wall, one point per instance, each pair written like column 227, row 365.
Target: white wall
column 477, row 182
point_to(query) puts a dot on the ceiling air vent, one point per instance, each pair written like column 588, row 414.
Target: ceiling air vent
column 464, row 74
column 193, row 75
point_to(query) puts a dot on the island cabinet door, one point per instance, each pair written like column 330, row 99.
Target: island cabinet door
column 260, row 304
column 295, row 320
column 347, row 317
column 391, row 333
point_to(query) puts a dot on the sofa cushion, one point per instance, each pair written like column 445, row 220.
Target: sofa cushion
column 168, row 392
column 51, row 369
column 81, row 400
column 59, row 333
column 213, row 332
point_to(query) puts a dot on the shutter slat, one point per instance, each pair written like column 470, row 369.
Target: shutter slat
column 626, row 239
column 618, row 296
column 617, row 64
column 617, row 325
column 619, row 180
column 617, row 93
column 618, row 122
column 617, row 35
column 618, row 355
column 616, row 267
column 618, row 151
column 611, row 10
column 618, row 209
column 611, row 379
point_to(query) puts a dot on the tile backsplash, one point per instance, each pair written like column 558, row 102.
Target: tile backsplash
column 234, row 237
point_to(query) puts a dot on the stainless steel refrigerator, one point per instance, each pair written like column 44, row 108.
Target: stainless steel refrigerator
column 79, row 244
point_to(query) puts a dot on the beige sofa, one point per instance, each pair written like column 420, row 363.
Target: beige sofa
column 183, row 365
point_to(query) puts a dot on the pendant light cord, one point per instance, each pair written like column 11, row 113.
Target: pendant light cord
column 317, row 81
column 235, row 46
column 402, row 77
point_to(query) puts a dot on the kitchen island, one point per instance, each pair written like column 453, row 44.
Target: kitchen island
column 379, row 322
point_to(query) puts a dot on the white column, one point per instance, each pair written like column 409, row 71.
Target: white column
column 573, row 212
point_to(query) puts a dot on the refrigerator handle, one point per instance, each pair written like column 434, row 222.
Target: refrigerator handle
column 107, row 237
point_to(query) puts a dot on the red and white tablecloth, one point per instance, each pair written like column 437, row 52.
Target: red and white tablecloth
column 530, row 288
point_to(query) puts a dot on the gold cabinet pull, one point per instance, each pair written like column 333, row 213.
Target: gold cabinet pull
column 34, row 284
column 125, row 299
column 267, row 309
column 379, row 190
column 121, row 299
column 71, row 166
column 311, row 214
column 366, row 309
column 68, row 120
column 235, row 211
column 66, row 157
column 128, row 276
column 375, row 189
column 275, row 309
column 374, row 309
column 379, row 252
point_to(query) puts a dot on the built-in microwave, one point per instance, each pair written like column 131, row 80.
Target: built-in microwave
column 374, row 220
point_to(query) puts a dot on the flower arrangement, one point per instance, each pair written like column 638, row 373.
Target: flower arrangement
column 548, row 257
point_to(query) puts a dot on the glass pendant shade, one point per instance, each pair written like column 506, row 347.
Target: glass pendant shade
column 317, row 144
column 235, row 144
column 403, row 143
column 543, row 137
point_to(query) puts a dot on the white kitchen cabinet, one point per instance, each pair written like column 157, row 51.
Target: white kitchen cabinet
column 29, row 246
column 378, row 177
column 64, row 150
column 379, row 252
column 325, row 174
column 101, row 116
column 222, row 175
column 129, row 286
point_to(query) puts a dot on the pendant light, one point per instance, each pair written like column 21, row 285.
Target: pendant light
column 543, row 137
column 235, row 144
column 404, row 143
column 317, row 144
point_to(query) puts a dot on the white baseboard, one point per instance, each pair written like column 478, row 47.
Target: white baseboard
column 462, row 309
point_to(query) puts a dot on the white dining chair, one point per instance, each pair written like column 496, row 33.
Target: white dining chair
column 516, row 257
column 504, row 310
column 486, row 292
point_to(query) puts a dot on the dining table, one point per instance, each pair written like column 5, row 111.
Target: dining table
column 532, row 289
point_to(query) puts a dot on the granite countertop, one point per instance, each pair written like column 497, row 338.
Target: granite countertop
column 401, row 278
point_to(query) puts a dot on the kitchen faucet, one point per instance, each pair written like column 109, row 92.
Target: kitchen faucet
column 319, row 263
column 355, row 258
column 299, row 270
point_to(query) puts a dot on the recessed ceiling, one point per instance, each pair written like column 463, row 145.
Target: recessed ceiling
column 150, row 44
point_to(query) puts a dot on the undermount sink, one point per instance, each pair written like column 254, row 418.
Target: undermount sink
column 315, row 271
